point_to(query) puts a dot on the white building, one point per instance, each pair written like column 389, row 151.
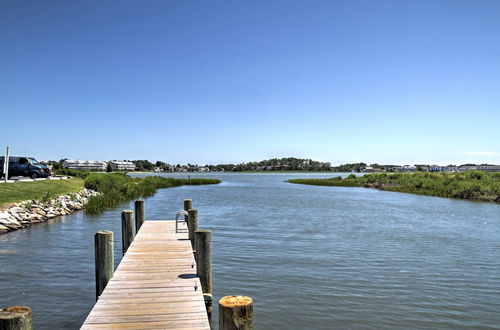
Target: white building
column 84, row 165
column 486, row 168
column 120, row 165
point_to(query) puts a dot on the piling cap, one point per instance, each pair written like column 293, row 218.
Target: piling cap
column 105, row 232
column 235, row 301
column 18, row 309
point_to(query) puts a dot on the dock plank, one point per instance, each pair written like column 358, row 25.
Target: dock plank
column 155, row 286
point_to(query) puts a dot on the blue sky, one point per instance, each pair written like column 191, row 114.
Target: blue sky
column 230, row 81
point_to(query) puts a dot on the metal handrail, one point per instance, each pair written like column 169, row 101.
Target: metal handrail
column 183, row 212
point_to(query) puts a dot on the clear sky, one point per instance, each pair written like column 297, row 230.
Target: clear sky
column 230, row 81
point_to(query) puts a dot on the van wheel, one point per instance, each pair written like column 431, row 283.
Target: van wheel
column 34, row 175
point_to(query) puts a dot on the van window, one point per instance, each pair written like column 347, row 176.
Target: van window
column 23, row 161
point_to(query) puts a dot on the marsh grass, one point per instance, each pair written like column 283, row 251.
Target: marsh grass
column 472, row 185
column 117, row 188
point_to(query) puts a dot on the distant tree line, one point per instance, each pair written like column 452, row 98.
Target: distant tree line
column 274, row 164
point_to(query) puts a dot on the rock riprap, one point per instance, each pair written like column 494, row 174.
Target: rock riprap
column 23, row 214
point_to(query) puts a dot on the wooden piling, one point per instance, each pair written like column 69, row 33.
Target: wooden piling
column 128, row 231
column 192, row 225
column 139, row 214
column 16, row 318
column 188, row 205
column 235, row 313
column 203, row 239
column 104, row 260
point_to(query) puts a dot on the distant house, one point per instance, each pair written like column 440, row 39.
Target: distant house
column 489, row 168
column 434, row 168
column 449, row 168
column 423, row 168
column 437, row 168
column 84, row 165
column 486, row 168
column 121, row 165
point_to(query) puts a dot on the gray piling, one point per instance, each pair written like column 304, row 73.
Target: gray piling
column 139, row 214
column 104, row 260
column 192, row 225
column 128, row 231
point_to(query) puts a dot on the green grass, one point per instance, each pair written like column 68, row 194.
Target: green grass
column 472, row 185
column 117, row 188
column 37, row 190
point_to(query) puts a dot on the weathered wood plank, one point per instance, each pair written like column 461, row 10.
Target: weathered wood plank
column 155, row 286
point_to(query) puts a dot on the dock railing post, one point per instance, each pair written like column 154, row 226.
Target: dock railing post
column 16, row 318
column 188, row 204
column 128, row 231
column 104, row 260
column 139, row 214
column 192, row 225
column 236, row 313
column 203, row 240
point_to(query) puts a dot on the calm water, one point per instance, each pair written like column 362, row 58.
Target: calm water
column 310, row 257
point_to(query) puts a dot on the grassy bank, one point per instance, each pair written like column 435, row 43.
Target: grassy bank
column 472, row 185
column 37, row 190
column 118, row 188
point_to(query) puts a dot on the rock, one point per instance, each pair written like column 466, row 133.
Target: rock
column 3, row 229
column 16, row 215
column 39, row 211
column 25, row 213
column 13, row 226
column 5, row 215
column 9, row 221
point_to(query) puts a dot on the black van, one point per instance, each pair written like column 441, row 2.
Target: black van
column 24, row 166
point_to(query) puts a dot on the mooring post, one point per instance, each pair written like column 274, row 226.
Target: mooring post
column 104, row 260
column 128, row 231
column 139, row 214
column 192, row 225
column 203, row 239
column 16, row 318
column 188, row 205
column 236, row 313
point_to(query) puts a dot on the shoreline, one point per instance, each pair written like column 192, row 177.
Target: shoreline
column 23, row 214
column 472, row 186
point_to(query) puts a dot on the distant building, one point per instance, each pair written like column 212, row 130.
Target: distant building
column 84, row 165
column 121, row 165
column 434, row 168
column 449, row 168
column 486, row 168
column 489, row 168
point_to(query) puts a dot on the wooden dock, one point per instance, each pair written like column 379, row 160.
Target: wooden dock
column 155, row 286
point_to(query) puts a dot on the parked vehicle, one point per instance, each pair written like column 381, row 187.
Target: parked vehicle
column 24, row 166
